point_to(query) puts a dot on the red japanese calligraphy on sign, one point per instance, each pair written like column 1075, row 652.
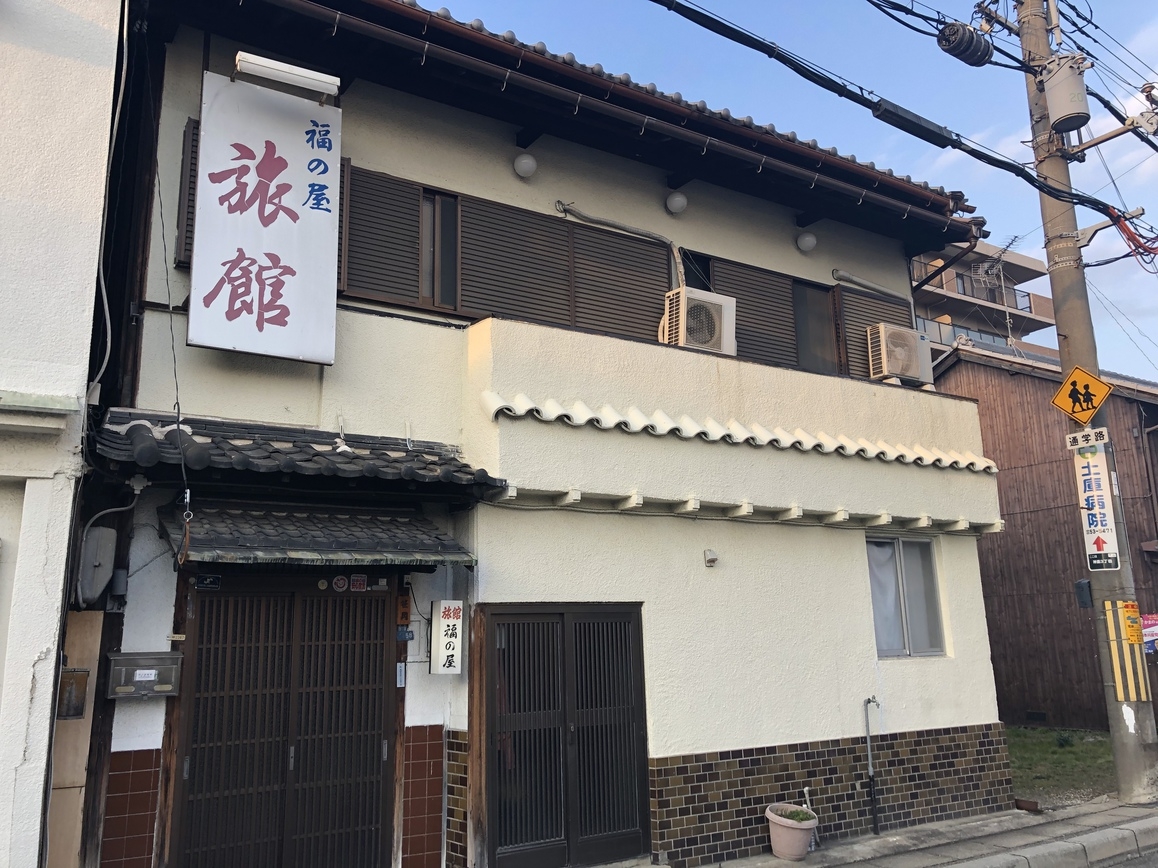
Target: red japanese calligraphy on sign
column 446, row 638
column 265, row 252
column 264, row 195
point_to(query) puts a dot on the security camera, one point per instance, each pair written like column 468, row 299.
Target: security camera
column 710, row 558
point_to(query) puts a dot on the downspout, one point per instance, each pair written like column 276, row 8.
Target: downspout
column 875, row 288
column 953, row 261
column 569, row 211
column 872, row 780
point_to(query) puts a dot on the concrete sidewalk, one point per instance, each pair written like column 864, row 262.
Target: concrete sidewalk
column 1100, row 832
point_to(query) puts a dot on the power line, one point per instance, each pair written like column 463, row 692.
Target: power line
column 1103, row 302
column 1089, row 19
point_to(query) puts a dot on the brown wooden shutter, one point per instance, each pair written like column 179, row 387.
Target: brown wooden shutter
column 514, row 263
column 765, row 322
column 620, row 282
column 861, row 310
column 187, row 195
column 381, row 237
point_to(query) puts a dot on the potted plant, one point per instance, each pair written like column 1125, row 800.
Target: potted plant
column 790, row 829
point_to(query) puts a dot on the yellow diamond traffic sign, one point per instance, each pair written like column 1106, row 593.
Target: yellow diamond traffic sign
column 1081, row 394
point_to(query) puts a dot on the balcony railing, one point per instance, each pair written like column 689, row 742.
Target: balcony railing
column 965, row 284
column 946, row 333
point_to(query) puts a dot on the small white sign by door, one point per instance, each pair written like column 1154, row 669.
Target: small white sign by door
column 265, row 252
column 446, row 641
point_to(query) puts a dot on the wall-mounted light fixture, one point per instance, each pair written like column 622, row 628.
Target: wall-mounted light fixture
column 710, row 557
column 294, row 76
column 525, row 165
column 676, row 202
column 805, row 242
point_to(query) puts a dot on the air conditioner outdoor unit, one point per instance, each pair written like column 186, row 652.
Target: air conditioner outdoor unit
column 700, row 319
column 899, row 352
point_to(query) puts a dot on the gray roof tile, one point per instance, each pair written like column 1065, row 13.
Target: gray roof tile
column 237, row 532
column 224, row 444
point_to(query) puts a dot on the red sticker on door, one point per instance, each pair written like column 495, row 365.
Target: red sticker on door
column 357, row 582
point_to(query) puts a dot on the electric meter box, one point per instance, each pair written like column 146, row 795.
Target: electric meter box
column 1065, row 93
column 144, row 673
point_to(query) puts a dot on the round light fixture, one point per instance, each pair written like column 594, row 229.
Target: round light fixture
column 676, row 202
column 525, row 165
column 805, row 242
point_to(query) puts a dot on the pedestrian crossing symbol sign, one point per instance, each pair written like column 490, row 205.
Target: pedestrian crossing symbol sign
column 1081, row 394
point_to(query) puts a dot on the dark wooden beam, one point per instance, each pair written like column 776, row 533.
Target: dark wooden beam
column 526, row 137
column 806, row 218
column 677, row 179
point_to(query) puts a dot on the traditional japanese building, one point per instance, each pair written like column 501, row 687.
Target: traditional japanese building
column 632, row 384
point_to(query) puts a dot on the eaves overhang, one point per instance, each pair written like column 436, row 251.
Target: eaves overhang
column 402, row 46
column 227, row 453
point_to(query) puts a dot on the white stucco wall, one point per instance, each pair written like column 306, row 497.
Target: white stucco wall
column 57, row 94
column 773, row 645
column 139, row 724
column 803, row 671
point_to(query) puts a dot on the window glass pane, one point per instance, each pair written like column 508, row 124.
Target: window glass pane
column 921, row 604
column 883, row 579
column 426, row 254
column 815, row 331
column 697, row 270
column 447, row 251
column 960, row 284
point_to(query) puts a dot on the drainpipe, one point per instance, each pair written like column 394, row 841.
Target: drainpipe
column 570, row 211
column 969, row 248
column 872, row 781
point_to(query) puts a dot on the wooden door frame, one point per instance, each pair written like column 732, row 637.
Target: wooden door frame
column 483, row 726
column 255, row 580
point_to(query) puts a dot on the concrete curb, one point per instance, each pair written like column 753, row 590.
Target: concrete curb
column 1054, row 854
column 1108, row 846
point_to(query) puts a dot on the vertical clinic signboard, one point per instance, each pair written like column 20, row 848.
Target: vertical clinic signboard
column 446, row 638
column 1092, row 468
column 265, row 254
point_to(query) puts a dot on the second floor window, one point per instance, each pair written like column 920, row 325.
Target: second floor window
column 438, row 259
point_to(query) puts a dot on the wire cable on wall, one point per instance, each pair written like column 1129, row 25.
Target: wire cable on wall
column 187, row 514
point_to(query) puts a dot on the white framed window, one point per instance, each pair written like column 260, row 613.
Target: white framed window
column 906, row 606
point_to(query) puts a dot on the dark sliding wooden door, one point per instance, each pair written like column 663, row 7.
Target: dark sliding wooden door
column 568, row 749
column 288, row 726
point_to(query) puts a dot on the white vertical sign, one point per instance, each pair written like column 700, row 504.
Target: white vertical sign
column 1097, row 510
column 446, row 643
column 265, row 254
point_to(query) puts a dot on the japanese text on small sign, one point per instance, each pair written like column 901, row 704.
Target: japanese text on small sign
column 1096, row 507
column 446, row 638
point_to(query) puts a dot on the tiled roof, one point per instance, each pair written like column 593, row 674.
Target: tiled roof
column 225, row 532
column 234, row 445
column 632, row 420
column 676, row 98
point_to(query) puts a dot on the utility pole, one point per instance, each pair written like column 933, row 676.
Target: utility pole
column 1132, row 732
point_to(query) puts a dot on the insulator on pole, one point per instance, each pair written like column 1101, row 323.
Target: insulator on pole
column 964, row 43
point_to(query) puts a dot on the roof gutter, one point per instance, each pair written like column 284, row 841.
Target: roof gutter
column 949, row 264
column 509, row 77
column 946, row 204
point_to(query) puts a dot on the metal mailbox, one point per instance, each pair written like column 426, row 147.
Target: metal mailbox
column 144, row 673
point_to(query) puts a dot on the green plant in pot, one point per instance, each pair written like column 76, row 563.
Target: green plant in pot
column 790, row 829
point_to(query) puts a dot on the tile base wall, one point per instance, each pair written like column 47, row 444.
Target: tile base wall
column 422, row 798
column 709, row 807
column 131, row 809
column 456, row 771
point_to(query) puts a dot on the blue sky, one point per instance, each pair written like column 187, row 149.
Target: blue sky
column 851, row 38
